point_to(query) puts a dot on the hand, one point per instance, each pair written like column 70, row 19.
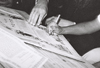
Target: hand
column 38, row 13
column 62, row 22
column 52, row 27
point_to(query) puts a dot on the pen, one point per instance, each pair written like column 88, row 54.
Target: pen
column 56, row 21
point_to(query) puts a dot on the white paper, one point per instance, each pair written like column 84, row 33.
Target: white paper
column 13, row 51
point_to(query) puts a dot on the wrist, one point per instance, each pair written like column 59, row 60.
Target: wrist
column 64, row 30
column 61, row 31
column 43, row 2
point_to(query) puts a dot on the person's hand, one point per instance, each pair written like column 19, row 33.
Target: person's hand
column 37, row 14
column 52, row 27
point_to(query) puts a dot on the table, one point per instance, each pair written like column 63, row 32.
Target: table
column 58, row 61
column 55, row 60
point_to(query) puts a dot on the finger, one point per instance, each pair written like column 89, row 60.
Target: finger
column 31, row 14
column 35, row 19
column 54, row 33
column 54, row 29
column 31, row 17
column 40, row 20
column 44, row 16
column 50, row 30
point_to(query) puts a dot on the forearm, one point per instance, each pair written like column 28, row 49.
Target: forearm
column 64, row 22
column 83, row 28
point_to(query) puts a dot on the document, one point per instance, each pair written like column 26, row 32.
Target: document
column 18, row 33
column 14, row 53
column 18, row 26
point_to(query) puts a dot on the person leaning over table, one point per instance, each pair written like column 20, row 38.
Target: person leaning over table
column 38, row 12
column 84, row 35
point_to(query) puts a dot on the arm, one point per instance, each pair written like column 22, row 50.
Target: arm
column 39, row 12
column 82, row 28
column 75, row 29
column 41, row 1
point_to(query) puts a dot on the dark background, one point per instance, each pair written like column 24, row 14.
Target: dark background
column 27, row 5
column 24, row 5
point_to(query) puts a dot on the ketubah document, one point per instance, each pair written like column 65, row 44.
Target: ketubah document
column 15, row 32
column 14, row 53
